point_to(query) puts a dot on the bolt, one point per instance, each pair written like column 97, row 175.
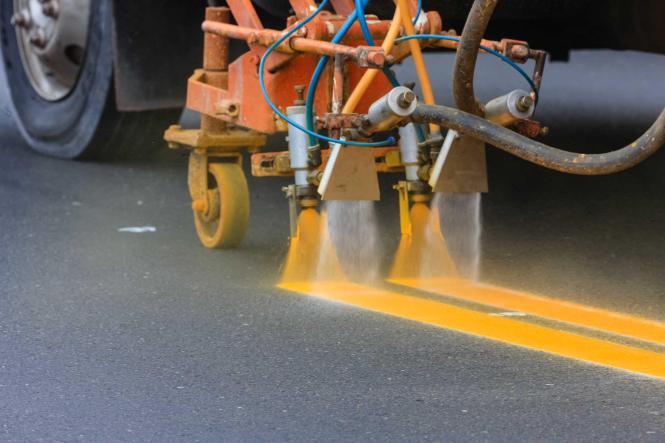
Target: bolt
column 252, row 38
column 38, row 38
column 200, row 205
column 300, row 95
column 519, row 52
column 302, row 32
column 405, row 99
column 22, row 19
column 50, row 9
column 524, row 103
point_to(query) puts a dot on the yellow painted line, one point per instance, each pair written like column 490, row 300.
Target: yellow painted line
column 506, row 330
column 568, row 312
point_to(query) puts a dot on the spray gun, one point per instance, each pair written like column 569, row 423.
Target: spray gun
column 413, row 189
column 302, row 193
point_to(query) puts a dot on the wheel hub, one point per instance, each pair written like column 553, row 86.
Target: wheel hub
column 52, row 37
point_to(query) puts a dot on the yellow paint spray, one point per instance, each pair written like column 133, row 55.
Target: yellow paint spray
column 423, row 254
column 311, row 255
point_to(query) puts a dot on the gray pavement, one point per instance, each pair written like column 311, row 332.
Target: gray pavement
column 110, row 336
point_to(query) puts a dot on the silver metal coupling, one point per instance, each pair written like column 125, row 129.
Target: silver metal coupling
column 510, row 108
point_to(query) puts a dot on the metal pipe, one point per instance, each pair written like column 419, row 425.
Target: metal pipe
column 467, row 53
column 329, row 27
column 216, row 62
column 364, row 55
column 216, row 47
column 541, row 154
column 262, row 36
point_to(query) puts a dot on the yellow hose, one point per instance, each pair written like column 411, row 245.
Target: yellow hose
column 418, row 60
column 370, row 74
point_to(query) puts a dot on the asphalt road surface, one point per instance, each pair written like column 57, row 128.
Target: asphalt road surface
column 116, row 336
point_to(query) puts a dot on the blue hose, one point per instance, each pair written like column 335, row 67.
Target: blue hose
column 360, row 13
column 314, row 82
column 370, row 40
column 419, row 9
column 505, row 59
column 313, row 135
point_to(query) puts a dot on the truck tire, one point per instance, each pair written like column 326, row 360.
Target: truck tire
column 59, row 69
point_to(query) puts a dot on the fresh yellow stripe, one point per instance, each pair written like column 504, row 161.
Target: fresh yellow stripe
column 573, row 313
column 484, row 325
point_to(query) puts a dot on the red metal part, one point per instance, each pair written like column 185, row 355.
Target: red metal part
column 329, row 25
column 339, row 121
column 303, row 8
column 343, row 7
column 215, row 63
column 245, row 15
column 531, row 128
column 251, row 110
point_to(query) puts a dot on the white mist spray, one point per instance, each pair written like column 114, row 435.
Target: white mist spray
column 461, row 225
column 353, row 231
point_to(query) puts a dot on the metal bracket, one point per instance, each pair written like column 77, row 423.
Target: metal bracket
column 231, row 140
column 290, row 192
column 402, row 188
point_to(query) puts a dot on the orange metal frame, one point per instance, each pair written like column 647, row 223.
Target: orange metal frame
column 242, row 103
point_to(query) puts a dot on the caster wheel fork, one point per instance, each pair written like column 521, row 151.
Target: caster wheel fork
column 221, row 202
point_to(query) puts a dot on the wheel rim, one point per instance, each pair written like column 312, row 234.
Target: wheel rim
column 224, row 222
column 52, row 38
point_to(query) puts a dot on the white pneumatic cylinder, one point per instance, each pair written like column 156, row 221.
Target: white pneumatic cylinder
column 391, row 109
column 298, row 144
column 408, row 149
column 510, row 108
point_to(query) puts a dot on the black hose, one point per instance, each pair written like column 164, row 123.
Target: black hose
column 539, row 153
column 467, row 53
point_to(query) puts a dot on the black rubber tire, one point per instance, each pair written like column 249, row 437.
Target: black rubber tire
column 85, row 123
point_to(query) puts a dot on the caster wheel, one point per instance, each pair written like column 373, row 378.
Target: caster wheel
column 223, row 222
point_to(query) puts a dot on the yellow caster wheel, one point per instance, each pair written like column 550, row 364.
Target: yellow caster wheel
column 222, row 220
